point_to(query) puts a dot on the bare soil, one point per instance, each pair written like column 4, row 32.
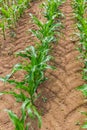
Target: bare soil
column 62, row 105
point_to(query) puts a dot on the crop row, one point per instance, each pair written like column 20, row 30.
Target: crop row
column 36, row 62
column 10, row 12
column 80, row 7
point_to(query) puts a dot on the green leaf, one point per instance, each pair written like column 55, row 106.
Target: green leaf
column 84, row 126
column 83, row 88
column 38, row 116
column 17, row 67
column 36, row 21
column 30, row 111
column 16, row 121
column 6, row 78
column 27, row 126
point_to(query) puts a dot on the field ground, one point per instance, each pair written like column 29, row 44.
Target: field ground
column 61, row 110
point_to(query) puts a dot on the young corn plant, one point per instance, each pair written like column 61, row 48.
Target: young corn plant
column 27, row 110
column 7, row 12
column 34, row 77
column 36, row 61
column 80, row 7
column 52, row 9
column 82, row 26
column 46, row 32
column 22, row 5
column 3, row 27
column 19, row 123
column 84, row 126
column 35, row 70
column 11, row 11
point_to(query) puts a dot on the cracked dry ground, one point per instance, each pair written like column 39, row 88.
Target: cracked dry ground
column 61, row 110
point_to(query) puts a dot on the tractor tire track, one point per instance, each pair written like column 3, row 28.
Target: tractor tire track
column 66, row 102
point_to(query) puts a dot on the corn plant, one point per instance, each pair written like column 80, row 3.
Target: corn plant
column 36, row 62
column 11, row 11
column 3, row 27
column 34, row 68
column 20, row 122
column 46, row 32
column 84, row 126
column 80, row 7
column 52, row 9
column 34, row 77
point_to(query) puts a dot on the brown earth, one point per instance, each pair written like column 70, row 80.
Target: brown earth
column 62, row 105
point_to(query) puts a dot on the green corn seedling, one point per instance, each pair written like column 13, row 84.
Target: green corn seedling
column 46, row 31
column 35, row 71
column 35, row 64
column 33, row 78
column 84, row 126
column 80, row 7
column 20, row 123
column 3, row 27
column 11, row 11
column 51, row 9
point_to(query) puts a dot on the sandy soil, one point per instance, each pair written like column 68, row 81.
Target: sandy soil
column 61, row 110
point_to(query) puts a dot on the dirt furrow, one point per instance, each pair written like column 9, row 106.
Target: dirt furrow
column 62, row 109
